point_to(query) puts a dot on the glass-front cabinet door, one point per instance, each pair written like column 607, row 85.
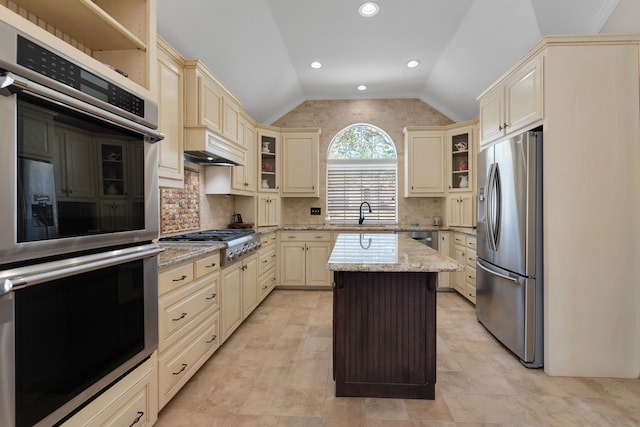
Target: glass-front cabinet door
column 269, row 160
column 461, row 159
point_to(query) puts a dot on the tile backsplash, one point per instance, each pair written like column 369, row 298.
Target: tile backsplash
column 190, row 208
column 180, row 207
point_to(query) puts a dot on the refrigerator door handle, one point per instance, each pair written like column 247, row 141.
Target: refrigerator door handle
column 491, row 205
column 497, row 193
column 495, row 273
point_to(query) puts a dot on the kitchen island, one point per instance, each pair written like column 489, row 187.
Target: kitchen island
column 384, row 315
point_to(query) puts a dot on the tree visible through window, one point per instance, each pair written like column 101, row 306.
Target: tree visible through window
column 362, row 167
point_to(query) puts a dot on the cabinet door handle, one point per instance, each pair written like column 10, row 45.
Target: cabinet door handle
column 213, row 264
column 138, row 418
column 212, row 296
column 504, row 125
column 184, row 366
column 500, row 127
column 264, row 287
column 180, row 279
column 213, row 338
column 182, row 316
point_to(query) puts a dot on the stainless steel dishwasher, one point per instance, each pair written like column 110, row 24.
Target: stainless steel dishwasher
column 428, row 238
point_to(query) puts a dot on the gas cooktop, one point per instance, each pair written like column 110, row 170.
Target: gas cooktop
column 225, row 235
column 239, row 242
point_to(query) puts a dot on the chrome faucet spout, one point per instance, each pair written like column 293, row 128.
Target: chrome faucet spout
column 361, row 220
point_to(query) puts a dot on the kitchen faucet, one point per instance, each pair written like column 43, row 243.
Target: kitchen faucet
column 361, row 220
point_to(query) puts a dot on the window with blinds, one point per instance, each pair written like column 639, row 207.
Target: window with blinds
column 362, row 167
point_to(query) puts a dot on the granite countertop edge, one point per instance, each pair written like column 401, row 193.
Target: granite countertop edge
column 411, row 256
column 372, row 228
column 177, row 253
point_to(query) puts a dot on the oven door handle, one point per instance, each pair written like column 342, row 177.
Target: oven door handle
column 11, row 84
column 34, row 274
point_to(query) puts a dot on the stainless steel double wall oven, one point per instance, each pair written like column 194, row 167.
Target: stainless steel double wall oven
column 79, row 211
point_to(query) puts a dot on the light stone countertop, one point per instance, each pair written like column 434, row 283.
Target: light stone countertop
column 372, row 228
column 175, row 253
column 378, row 252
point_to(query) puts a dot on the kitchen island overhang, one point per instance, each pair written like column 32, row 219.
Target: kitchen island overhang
column 384, row 315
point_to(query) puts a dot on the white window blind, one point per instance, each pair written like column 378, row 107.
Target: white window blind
column 351, row 182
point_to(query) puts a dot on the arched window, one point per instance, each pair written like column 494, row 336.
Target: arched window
column 362, row 167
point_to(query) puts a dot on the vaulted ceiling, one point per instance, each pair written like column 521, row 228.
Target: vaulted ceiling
column 262, row 49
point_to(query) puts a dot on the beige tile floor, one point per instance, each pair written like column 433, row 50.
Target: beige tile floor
column 276, row 371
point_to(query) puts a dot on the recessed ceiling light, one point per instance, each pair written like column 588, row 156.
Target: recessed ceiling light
column 316, row 64
column 362, row 87
column 413, row 63
column 369, row 9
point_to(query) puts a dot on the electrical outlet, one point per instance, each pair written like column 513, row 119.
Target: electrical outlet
column 315, row 211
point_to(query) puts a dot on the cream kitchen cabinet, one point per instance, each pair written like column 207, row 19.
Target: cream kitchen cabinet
column 268, row 210
column 591, row 129
column 122, row 34
column 239, row 289
column 460, row 157
column 269, row 159
column 514, row 104
column 244, row 177
column 300, row 162
column 461, row 210
column 303, row 258
column 188, row 321
column 170, row 116
column 425, row 165
column 267, row 264
column 212, row 115
column 444, row 248
column 464, row 251
column 133, row 400
column 459, row 254
column 76, row 153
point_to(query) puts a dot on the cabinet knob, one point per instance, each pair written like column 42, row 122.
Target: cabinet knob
column 504, row 125
column 500, row 127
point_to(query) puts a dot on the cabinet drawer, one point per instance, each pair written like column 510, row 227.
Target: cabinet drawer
column 470, row 293
column 470, row 276
column 470, row 257
column 267, row 281
column 177, row 310
column 320, row 236
column 459, row 239
column 471, row 242
column 207, row 265
column 174, row 278
column 180, row 363
column 131, row 401
column 266, row 261
column 268, row 239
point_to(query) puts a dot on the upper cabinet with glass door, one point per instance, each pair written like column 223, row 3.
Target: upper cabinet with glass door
column 269, row 159
column 460, row 157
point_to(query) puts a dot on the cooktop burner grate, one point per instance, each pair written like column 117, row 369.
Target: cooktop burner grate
column 225, row 235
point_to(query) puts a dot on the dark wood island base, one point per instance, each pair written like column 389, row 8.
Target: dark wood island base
column 384, row 334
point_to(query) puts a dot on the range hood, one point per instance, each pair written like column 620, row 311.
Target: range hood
column 205, row 147
column 207, row 159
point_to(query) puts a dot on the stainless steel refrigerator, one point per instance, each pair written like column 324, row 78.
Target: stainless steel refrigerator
column 509, row 286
